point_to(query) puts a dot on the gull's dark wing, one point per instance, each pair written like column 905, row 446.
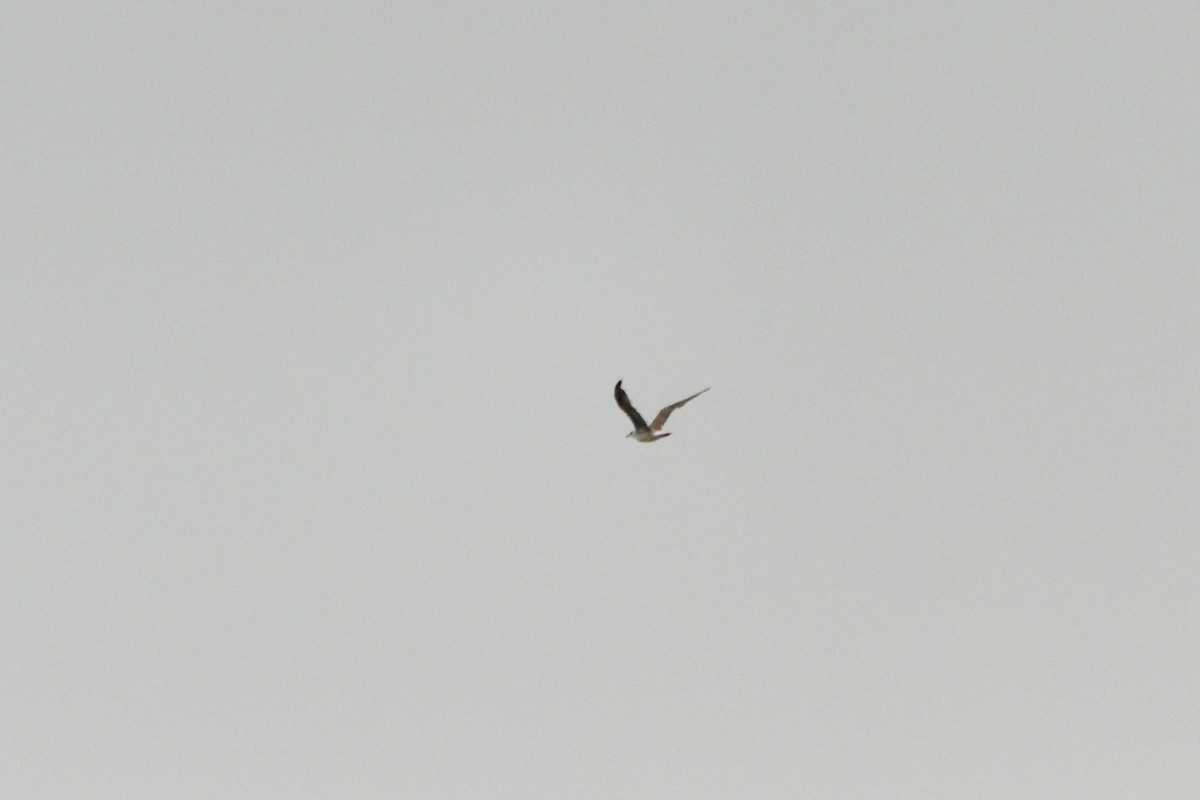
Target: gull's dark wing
column 626, row 406
column 661, row 419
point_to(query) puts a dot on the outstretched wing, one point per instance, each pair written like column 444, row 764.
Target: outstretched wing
column 661, row 419
column 626, row 406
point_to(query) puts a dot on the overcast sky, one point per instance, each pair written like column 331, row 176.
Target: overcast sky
column 312, row 484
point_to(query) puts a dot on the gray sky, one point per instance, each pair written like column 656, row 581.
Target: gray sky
column 311, row 480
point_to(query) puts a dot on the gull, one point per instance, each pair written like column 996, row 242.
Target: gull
column 641, row 431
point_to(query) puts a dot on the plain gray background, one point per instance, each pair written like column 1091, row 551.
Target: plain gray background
column 312, row 481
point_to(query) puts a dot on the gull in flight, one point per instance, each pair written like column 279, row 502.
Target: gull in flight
column 641, row 431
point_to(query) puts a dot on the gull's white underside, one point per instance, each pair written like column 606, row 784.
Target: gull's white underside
column 646, row 435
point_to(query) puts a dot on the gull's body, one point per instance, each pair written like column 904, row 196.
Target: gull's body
column 641, row 431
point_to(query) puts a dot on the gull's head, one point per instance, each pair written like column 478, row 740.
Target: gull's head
column 630, row 434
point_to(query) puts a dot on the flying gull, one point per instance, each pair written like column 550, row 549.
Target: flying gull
column 641, row 431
